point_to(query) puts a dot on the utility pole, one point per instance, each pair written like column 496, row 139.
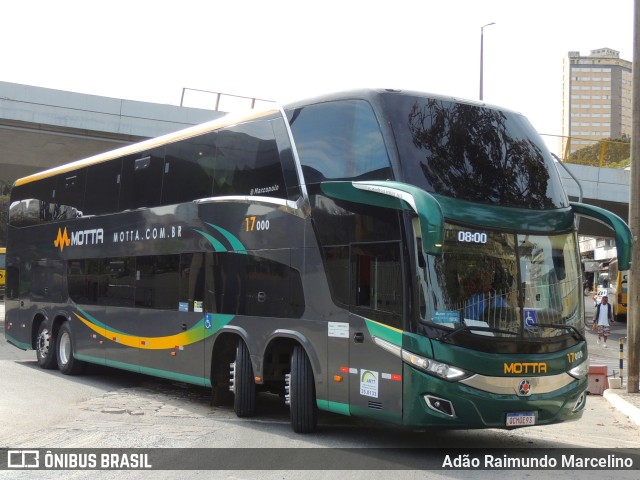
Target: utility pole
column 633, row 314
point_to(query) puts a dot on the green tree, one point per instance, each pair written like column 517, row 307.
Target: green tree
column 617, row 153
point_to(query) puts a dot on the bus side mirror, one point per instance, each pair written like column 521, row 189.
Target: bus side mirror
column 624, row 240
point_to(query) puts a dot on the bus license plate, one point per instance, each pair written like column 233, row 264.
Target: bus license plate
column 521, row 419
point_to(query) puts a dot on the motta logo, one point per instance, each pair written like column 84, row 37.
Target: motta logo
column 93, row 236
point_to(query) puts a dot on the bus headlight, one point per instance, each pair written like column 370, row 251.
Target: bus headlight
column 438, row 369
column 432, row 367
column 580, row 372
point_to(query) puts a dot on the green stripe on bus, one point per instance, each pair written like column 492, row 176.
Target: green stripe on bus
column 13, row 341
column 200, row 381
column 237, row 245
column 334, row 407
column 390, row 334
column 217, row 246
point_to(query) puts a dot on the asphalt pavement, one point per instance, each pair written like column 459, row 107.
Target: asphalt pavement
column 625, row 402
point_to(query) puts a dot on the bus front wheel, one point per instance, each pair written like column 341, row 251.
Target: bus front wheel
column 67, row 363
column 243, row 384
column 302, row 395
column 44, row 348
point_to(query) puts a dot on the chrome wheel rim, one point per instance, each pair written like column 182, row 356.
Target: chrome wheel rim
column 64, row 351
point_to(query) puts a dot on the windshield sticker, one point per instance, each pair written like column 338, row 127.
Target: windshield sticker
column 530, row 319
column 448, row 318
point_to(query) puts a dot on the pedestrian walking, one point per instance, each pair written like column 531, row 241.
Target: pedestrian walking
column 602, row 321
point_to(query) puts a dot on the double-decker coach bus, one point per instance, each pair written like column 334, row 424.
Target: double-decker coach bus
column 386, row 254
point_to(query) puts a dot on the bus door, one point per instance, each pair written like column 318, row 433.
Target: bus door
column 375, row 388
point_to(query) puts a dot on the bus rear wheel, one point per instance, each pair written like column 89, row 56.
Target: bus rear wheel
column 302, row 395
column 44, row 348
column 67, row 363
column 243, row 384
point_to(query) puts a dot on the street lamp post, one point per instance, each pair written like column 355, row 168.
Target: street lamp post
column 482, row 54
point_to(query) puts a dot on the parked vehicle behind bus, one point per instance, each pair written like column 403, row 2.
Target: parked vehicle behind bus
column 3, row 272
column 618, row 290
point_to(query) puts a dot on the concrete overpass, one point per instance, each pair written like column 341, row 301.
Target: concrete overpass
column 41, row 128
column 604, row 187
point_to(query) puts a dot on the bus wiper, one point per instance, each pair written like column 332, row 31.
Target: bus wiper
column 571, row 328
column 473, row 328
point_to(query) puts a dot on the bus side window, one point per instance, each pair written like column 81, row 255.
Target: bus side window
column 286, row 158
column 69, row 194
column 142, row 180
column 103, row 186
column 248, row 161
column 188, row 169
column 376, row 282
column 33, row 203
column 157, row 281
column 340, row 140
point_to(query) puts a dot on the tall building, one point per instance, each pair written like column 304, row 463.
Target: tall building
column 596, row 98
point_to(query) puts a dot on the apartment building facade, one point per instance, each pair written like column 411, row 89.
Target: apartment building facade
column 596, row 101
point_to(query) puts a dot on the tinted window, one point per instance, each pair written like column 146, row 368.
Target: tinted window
column 216, row 282
column 339, row 140
column 103, row 187
column 157, row 282
column 188, row 169
column 250, row 285
column 337, row 267
column 286, row 157
column 119, row 275
column 248, row 161
column 475, row 153
column 195, row 269
column 33, row 203
column 69, row 194
column 376, row 282
column 142, row 180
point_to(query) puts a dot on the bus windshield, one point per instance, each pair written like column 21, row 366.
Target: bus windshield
column 473, row 152
column 499, row 284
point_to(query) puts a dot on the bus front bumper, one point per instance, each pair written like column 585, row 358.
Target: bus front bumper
column 433, row 402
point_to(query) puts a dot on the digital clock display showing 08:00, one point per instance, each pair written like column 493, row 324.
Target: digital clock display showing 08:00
column 472, row 237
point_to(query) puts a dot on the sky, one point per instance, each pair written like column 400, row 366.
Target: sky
column 283, row 50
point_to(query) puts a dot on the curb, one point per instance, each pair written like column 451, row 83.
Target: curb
column 623, row 406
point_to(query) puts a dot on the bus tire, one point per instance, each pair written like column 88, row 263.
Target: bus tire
column 45, row 348
column 244, row 386
column 68, row 364
column 302, row 395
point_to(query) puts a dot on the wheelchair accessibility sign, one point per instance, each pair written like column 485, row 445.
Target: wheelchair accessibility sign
column 530, row 319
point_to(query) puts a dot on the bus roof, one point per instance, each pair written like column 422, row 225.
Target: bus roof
column 371, row 93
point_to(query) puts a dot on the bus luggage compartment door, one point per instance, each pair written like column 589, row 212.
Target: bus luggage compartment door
column 375, row 388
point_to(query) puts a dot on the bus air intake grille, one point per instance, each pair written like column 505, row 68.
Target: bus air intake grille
column 375, row 405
